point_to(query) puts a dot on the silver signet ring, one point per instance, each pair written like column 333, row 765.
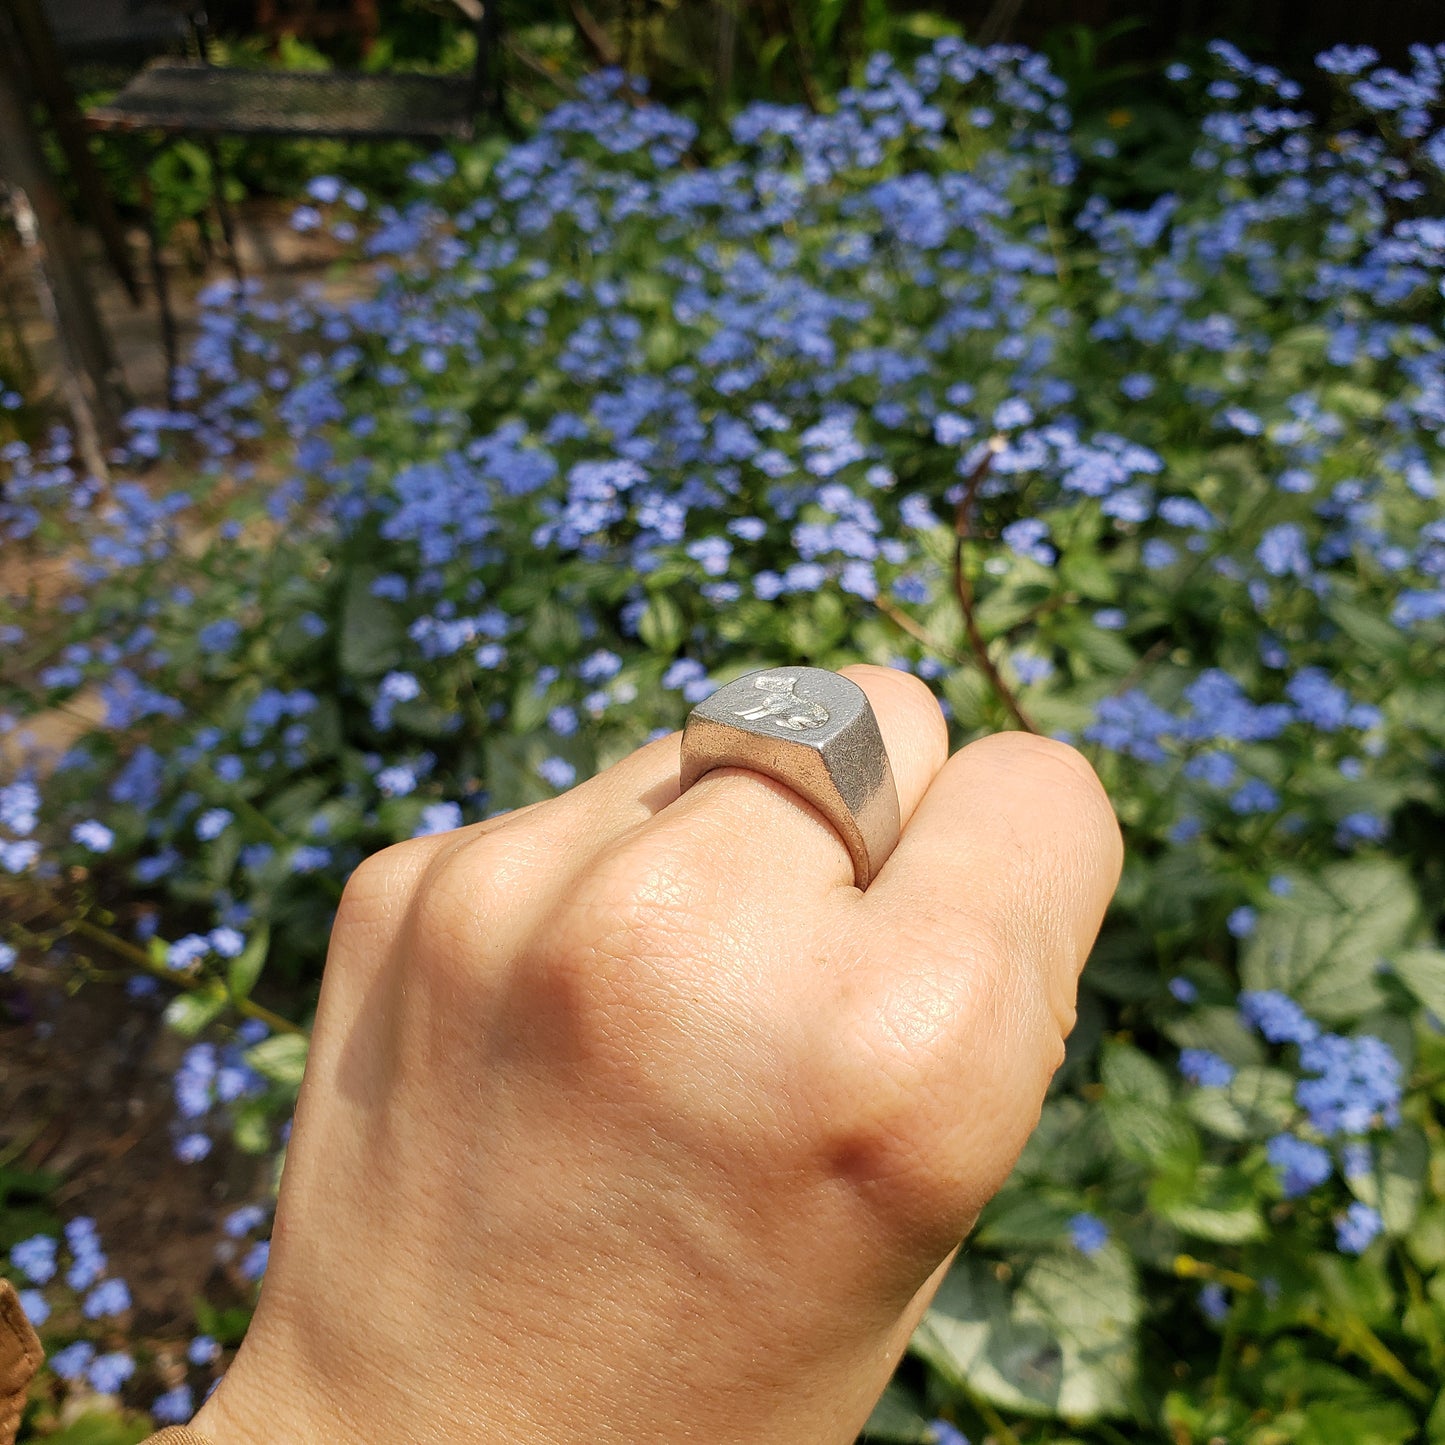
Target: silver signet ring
column 814, row 732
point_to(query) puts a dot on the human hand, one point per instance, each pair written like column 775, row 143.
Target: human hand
column 628, row 1118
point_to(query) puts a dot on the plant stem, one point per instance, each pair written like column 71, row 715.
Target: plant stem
column 141, row 959
column 914, row 629
column 1355, row 1337
column 963, row 589
column 1428, row 1324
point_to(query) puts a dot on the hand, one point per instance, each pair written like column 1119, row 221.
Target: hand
column 629, row 1119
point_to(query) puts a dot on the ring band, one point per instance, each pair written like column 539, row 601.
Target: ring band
column 814, row 732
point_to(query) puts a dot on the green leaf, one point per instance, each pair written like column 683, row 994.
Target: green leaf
column 1396, row 1185
column 1023, row 1217
column 969, row 1337
column 1091, row 1304
column 373, row 632
column 189, row 1013
column 1064, row 1345
column 1422, row 971
column 1218, row 1029
column 246, row 967
column 1435, row 1425
column 1139, row 1109
column 663, row 625
column 1367, row 626
column 1127, row 1072
column 94, row 1428
column 252, row 1129
column 1066, row 1145
column 281, row 1058
column 1323, row 944
column 1089, row 574
column 896, row 1419
column 1211, row 1203
column 1256, row 1102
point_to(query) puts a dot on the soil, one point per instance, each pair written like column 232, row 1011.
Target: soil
column 85, row 1096
column 86, row 1073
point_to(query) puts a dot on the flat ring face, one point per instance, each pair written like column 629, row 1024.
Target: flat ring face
column 814, row 732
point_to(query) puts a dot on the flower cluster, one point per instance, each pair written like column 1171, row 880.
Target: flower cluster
column 897, row 381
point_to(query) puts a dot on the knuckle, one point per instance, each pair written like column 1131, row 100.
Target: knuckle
column 1068, row 776
column 928, row 1097
column 468, row 886
column 1046, row 757
column 628, row 922
column 379, row 887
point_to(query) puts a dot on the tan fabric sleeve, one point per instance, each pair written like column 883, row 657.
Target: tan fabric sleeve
column 20, row 1357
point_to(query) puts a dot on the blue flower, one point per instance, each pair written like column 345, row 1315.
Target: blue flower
column 19, row 807
column 558, row 772
column 940, row 1432
column 1031, row 669
column 203, row 1350
column 70, row 1363
column 1241, row 921
column 1088, row 1232
column 1029, row 538
column 1361, row 828
column 219, row 636
column 1284, row 552
column 212, row 823
column 110, row 1297
column 1302, row 1165
column 1133, row 724
column 396, row 781
column 1214, row 1302
column 1357, row 1160
column 1357, row 1086
column 186, row 952
column 601, row 665
column 1279, row 1018
column 1207, row 1069
column 1358, row 1228
column 175, row 1406
column 93, row 835
column 253, row 1266
column 107, row 1373
column 395, row 687
column 193, row 1147
column 35, row 1305
column 241, row 1222
column 1183, row 990
column 35, row 1258
column 438, row 818
column 227, row 942
column 1254, row 796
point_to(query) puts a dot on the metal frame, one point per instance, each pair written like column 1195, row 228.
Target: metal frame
column 127, row 114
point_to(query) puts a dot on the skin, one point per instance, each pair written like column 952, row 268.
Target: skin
column 628, row 1118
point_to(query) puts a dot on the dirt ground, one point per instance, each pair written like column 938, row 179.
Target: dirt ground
column 85, row 1095
column 86, row 1075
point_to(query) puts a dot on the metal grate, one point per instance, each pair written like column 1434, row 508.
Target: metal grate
column 200, row 99
column 100, row 29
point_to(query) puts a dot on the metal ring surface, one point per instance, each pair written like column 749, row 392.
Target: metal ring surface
column 814, row 732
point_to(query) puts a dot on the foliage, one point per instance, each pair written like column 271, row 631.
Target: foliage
column 618, row 422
